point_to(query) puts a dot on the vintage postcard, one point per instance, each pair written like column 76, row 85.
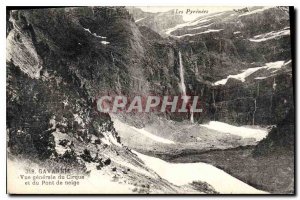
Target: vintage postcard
column 150, row 100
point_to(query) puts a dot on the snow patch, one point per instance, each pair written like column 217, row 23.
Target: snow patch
column 109, row 139
column 138, row 20
column 153, row 137
column 52, row 122
column 112, row 139
column 97, row 182
column 242, row 76
column 105, row 42
column 187, row 24
column 244, row 132
column 57, row 137
column 269, row 36
column 97, row 36
column 274, row 65
column 193, row 23
column 255, row 11
column 78, row 119
column 260, row 78
column 105, row 141
column 94, row 34
column 201, row 21
column 138, row 170
column 288, row 62
column 204, row 32
column 66, row 102
column 199, row 27
column 218, row 179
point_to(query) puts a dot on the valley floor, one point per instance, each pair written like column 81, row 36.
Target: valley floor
column 221, row 146
column 272, row 173
column 188, row 173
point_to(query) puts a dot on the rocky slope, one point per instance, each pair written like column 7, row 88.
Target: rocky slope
column 157, row 22
column 58, row 61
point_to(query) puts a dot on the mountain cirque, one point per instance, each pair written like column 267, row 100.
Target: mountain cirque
column 60, row 60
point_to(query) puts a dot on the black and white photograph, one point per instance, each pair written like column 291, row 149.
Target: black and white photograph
column 150, row 100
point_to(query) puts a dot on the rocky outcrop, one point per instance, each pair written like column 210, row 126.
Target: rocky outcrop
column 281, row 138
column 57, row 60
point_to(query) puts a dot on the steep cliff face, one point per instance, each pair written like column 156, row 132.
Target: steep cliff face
column 41, row 53
column 58, row 61
column 244, row 60
column 238, row 63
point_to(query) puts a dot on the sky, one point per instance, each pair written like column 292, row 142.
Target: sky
column 188, row 17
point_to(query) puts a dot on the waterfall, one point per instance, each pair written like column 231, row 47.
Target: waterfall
column 182, row 85
column 113, row 58
column 274, row 84
column 253, row 116
column 192, row 115
column 214, row 103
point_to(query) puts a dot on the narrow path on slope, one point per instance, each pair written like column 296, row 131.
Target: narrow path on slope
column 122, row 127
